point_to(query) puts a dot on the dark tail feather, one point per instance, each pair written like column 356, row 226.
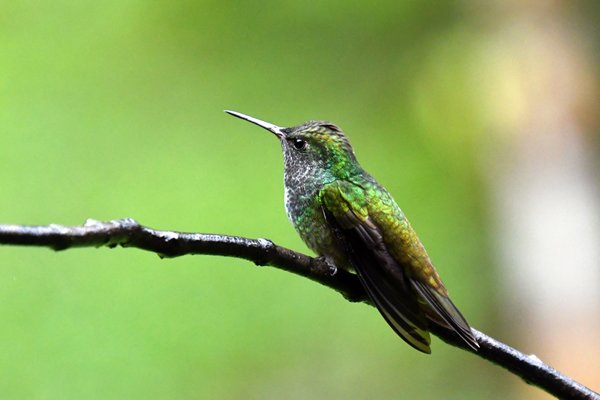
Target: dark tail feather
column 445, row 313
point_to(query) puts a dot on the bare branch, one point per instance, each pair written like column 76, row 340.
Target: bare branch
column 129, row 233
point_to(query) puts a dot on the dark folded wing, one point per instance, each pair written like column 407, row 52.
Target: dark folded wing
column 382, row 277
column 395, row 288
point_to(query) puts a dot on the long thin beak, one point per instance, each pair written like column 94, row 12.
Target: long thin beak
column 278, row 131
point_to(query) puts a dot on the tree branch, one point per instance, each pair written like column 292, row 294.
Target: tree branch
column 129, row 233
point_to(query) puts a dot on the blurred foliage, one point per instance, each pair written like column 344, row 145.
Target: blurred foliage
column 114, row 109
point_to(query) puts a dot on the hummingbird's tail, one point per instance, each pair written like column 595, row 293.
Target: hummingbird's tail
column 445, row 313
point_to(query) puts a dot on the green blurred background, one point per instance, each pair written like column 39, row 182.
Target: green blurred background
column 114, row 109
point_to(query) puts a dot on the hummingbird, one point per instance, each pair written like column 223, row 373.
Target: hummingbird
column 344, row 215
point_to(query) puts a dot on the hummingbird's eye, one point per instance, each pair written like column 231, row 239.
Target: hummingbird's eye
column 299, row 144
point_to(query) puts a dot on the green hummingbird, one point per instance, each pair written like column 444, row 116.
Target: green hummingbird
column 343, row 214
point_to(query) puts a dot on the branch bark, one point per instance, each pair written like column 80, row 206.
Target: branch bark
column 129, row 233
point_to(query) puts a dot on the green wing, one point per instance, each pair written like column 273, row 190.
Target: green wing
column 391, row 263
column 345, row 207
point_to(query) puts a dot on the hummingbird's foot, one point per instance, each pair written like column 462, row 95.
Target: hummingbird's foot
column 327, row 261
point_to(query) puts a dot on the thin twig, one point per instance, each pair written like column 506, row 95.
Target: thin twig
column 129, row 233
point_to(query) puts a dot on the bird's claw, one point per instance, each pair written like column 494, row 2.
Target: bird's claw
column 331, row 266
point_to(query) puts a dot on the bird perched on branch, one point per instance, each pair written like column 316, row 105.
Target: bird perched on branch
column 343, row 214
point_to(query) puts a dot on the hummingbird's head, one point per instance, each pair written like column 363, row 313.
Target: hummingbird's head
column 317, row 149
